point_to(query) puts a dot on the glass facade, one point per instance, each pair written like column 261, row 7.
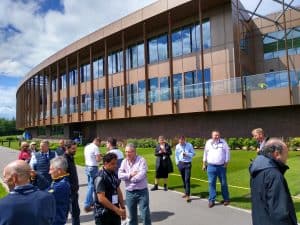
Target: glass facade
column 73, row 104
column 115, row 62
column 85, row 102
column 73, row 78
column 274, row 43
column 152, row 89
column 158, row 49
column 135, row 56
column 99, row 100
column 85, row 73
column 187, row 39
column 98, row 67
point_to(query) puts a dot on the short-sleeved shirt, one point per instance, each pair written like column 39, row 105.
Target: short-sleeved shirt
column 108, row 183
column 90, row 153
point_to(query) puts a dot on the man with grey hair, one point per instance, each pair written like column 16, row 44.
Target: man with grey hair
column 259, row 135
column 60, row 188
column 40, row 163
column 25, row 204
column 271, row 199
column 133, row 171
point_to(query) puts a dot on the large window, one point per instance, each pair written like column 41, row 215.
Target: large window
column 141, row 91
column 177, row 85
column 132, row 96
column 54, row 85
column 135, row 56
column 187, row 39
column 158, row 48
column 99, row 101
column 63, row 107
column 164, row 85
column 115, row 62
column 189, row 87
column 152, row 89
column 206, row 80
column 85, row 74
column 274, row 43
column 98, row 68
column 73, row 77
column 63, row 81
column 73, row 104
column 85, row 102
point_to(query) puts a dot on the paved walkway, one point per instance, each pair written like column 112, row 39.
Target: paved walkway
column 167, row 208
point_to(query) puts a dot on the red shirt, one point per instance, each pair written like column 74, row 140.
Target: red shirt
column 24, row 155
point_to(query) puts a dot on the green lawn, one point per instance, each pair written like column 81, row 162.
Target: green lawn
column 3, row 191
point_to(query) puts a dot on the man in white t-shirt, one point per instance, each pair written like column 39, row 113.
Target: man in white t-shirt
column 92, row 158
column 111, row 145
column 216, row 156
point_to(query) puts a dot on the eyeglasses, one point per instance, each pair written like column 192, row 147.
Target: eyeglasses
column 25, row 146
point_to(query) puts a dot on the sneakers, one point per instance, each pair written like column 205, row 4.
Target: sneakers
column 154, row 188
column 88, row 209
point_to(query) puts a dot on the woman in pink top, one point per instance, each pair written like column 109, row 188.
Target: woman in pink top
column 25, row 153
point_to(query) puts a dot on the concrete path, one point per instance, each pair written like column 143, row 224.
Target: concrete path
column 167, row 208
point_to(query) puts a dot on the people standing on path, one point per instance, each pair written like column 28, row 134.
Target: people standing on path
column 92, row 158
column 259, row 135
column 216, row 156
column 133, row 171
column 40, row 163
column 164, row 164
column 111, row 145
column 25, row 204
column 109, row 202
column 60, row 188
column 184, row 153
column 25, row 153
column 61, row 147
column 70, row 152
column 271, row 199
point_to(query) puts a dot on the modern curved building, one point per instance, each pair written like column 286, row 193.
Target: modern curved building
column 173, row 67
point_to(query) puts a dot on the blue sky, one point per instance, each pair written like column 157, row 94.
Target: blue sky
column 32, row 30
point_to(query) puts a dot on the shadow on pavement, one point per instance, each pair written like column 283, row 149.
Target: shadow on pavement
column 84, row 218
column 160, row 215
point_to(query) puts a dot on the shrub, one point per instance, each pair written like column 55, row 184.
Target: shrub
column 294, row 143
column 143, row 143
column 196, row 142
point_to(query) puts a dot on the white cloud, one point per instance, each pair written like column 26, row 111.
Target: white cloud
column 8, row 102
column 42, row 35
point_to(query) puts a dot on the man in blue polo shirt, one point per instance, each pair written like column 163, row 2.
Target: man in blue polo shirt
column 25, row 204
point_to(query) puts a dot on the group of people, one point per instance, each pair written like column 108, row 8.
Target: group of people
column 56, row 173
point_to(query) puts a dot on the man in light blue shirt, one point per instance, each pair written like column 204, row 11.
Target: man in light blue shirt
column 184, row 153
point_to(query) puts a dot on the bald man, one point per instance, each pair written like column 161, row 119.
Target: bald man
column 271, row 199
column 25, row 204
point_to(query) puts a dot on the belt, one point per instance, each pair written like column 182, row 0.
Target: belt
column 184, row 162
column 215, row 164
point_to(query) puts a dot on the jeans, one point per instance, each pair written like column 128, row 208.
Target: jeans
column 185, row 171
column 74, row 208
column 138, row 198
column 214, row 171
column 91, row 172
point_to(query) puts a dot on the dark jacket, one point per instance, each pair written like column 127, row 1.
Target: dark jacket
column 26, row 205
column 61, row 190
column 271, row 200
column 160, row 157
column 73, row 176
